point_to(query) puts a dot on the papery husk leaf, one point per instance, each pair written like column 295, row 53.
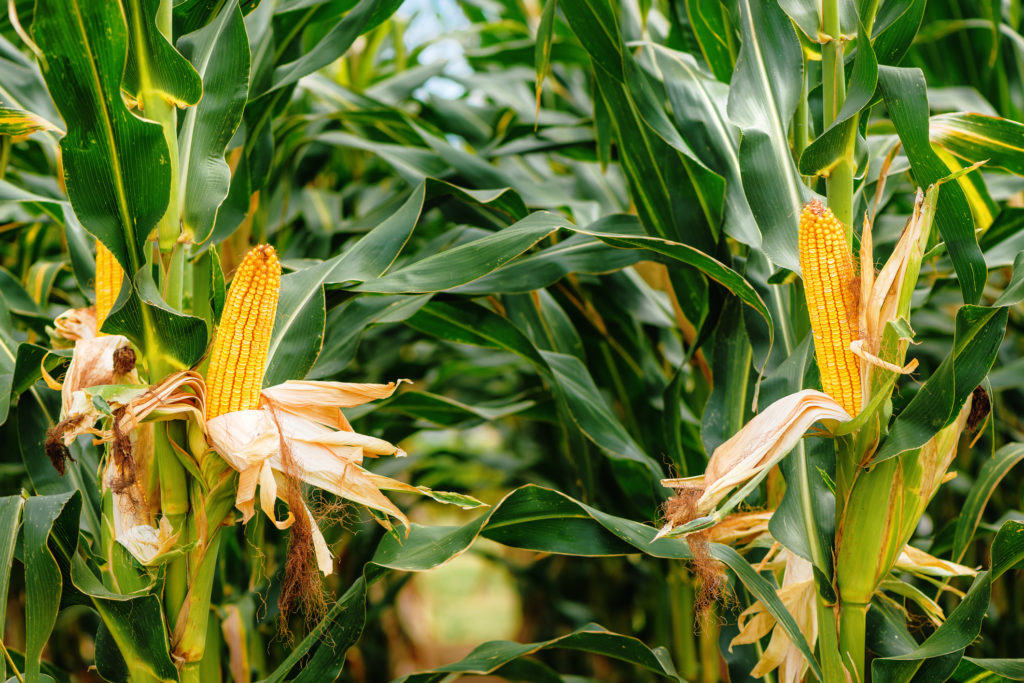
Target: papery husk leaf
column 917, row 561
column 76, row 324
column 322, row 401
column 765, row 440
column 797, row 595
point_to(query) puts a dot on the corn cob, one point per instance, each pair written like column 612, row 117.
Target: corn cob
column 108, row 283
column 830, row 287
column 235, row 377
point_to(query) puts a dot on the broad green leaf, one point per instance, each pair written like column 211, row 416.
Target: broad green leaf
column 994, row 670
column 20, row 122
column 366, row 15
column 154, row 67
column 595, row 24
column 699, row 108
column 219, row 52
column 829, row 147
column 465, row 263
column 907, row 101
column 763, row 95
column 992, row 472
column 977, row 137
column 979, row 331
column 116, row 165
column 489, row 657
column 43, row 580
column 8, row 360
column 10, row 521
column 469, row 323
column 80, row 247
column 176, row 339
column 299, row 326
column 577, row 254
column 542, row 52
column 726, row 409
column 533, row 518
column 895, row 27
column 938, row 656
column 134, row 622
column 346, row 324
column 1008, row 548
column 448, row 412
column 710, row 22
column 374, row 253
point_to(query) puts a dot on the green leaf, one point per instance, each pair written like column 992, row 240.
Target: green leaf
column 366, row 15
column 116, row 165
column 763, row 95
column 977, row 137
column 992, row 472
column 376, row 251
column 594, row 23
column 42, row 574
column 938, row 656
column 469, row 323
column 824, row 152
column 299, row 326
column 220, row 54
column 142, row 315
column 532, row 518
column 489, row 657
column 467, row 262
column 542, row 51
column 10, row 520
column 709, row 20
column 699, row 108
column 906, row 98
column 154, row 67
column 979, row 331
column 999, row 669
column 1008, row 548
column 20, row 122
column 895, row 28
column 1014, row 291
column 134, row 622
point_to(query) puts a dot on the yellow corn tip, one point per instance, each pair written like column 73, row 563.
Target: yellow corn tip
column 239, row 355
column 830, row 286
column 108, row 283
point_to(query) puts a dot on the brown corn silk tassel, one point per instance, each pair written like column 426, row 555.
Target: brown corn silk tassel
column 830, row 287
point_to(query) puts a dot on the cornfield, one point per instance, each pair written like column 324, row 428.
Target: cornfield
column 555, row 341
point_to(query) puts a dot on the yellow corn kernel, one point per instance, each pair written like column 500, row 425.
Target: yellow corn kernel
column 235, row 376
column 830, row 287
column 108, row 283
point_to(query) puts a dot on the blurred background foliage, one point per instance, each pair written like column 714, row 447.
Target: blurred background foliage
column 575, row 365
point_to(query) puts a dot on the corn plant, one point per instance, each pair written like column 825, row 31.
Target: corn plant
column 734, row 286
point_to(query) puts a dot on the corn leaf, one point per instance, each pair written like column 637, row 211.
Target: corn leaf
column 220, row 54
column 1008, row 548
column 976, row 137
column 992, row 472
column 10, row 521
column 532, row 518
column 116, row 164
column 938, row 656
column 907, row 100
column 979, row 331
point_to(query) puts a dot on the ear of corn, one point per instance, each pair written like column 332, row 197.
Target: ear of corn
column 108, row 283
column 830, row 287
column 235, row 376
